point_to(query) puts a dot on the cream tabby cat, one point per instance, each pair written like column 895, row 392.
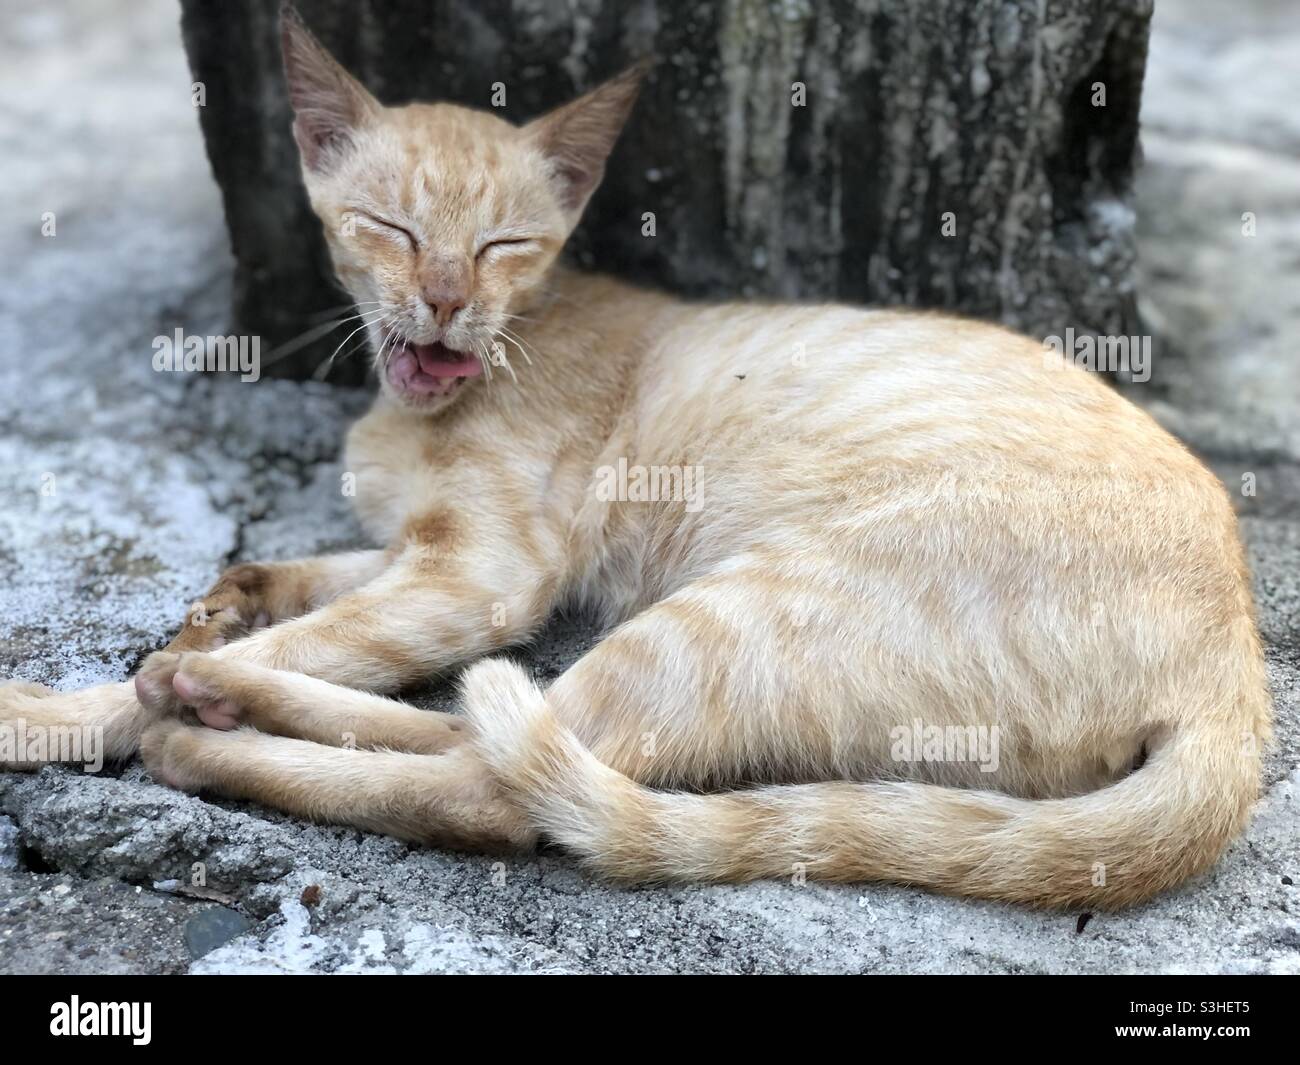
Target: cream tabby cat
column 899, row 526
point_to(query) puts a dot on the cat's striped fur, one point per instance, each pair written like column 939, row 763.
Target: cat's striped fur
column 896, row 521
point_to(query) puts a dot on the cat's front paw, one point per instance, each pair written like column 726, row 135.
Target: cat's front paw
column 169, row 682
column 168, row 750
column 153, row 685
column 232, row 608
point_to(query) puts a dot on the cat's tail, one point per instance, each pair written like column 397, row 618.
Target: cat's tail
column 1112, row 847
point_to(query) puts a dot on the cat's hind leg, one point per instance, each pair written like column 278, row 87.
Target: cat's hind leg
column 445, row 799
column 363, row 760
column 757, row 672
column 341, row 756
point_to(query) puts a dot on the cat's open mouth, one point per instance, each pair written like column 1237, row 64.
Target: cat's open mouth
column 428, row 369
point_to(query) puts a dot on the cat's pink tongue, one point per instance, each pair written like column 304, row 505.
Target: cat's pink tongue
column 424, row 369
column 434, row 363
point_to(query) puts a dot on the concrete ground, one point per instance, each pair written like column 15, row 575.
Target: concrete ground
column 125, row 491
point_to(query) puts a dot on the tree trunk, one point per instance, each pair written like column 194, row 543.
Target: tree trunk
column 975, row 155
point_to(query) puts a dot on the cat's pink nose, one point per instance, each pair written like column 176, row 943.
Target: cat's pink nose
column 445, row 286
column 444, row 302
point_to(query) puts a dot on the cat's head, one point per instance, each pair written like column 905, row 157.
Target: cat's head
column 442, row 221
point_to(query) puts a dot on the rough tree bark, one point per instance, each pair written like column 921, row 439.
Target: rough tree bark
column 975, row 155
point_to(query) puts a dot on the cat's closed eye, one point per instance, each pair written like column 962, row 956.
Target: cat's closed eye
column 506, row 244
column 384, row 223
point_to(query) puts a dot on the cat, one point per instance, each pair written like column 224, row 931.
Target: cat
column 888, row 595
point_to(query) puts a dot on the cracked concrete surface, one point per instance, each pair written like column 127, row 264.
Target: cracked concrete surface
column 125, row 491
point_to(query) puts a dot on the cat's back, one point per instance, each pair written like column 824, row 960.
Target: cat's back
column 903, row 386
column 967, row 459
column 832, row 421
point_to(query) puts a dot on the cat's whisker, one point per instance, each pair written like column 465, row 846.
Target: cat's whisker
column 498, row 344
column 519, row 342
column 370, row 315
column 327, row 311
column 365, row 336
column 358, row 346
column 307, row 336
column 368, row 318
column 551, row 323
column 505, row 360
column 387, row 334
column 389, row 342
column 300, row 341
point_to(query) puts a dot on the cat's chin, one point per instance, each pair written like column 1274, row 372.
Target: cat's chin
column 426, row 402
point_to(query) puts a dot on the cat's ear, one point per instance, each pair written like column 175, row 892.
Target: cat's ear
column 579, row 136
column 328, row 102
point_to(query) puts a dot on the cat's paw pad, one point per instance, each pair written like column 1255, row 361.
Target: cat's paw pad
column 197, row 684
column 168, row 682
